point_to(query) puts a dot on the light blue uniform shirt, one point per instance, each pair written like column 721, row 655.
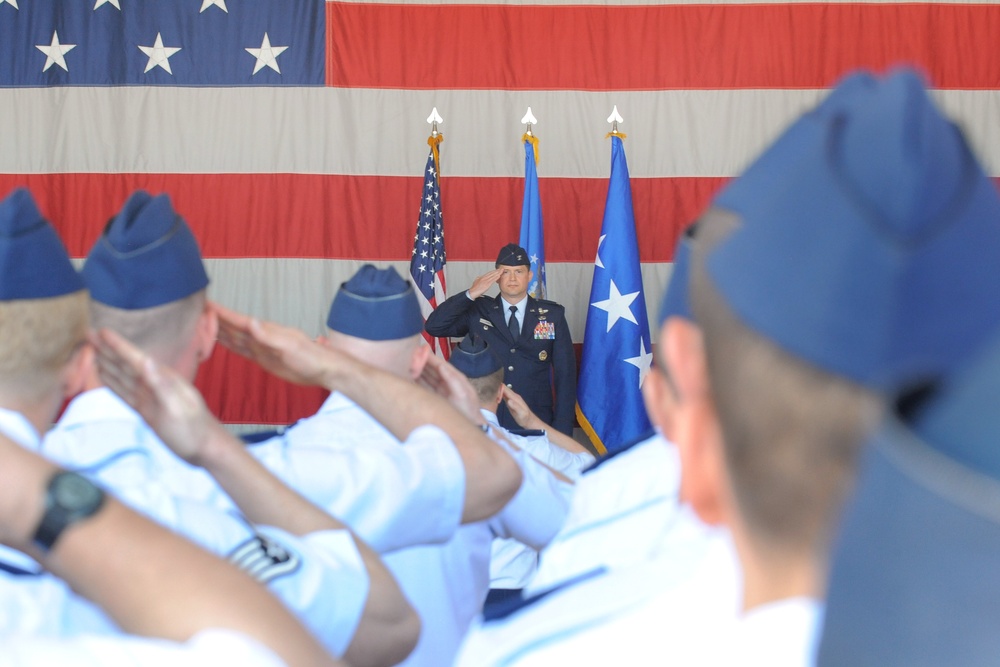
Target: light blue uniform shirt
column 32, row 601
column 319, row 576
column 513, row 563
column 633, row 577
column 406, row 500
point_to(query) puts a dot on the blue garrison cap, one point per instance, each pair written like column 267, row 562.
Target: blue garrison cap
column 914, row 577
column 513, row 255
column 376, row 304
column 676, row 301
column 146, row 257
column 869, row 238
column 474, row 358
column 34, row 263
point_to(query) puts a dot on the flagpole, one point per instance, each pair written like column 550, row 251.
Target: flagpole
column 532, row 235
column 616, row 344
column 427, row 264
column 436, row 138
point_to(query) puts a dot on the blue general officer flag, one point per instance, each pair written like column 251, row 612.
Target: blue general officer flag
column 616, row 347
column 532, row 237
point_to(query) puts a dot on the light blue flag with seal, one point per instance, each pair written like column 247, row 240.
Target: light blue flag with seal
column 532, row 236
column 616, row 346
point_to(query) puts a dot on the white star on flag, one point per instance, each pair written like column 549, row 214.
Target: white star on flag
column 642, row 362
column 54, row 52
column 597, row 259
column 267, row 55
column 12, row 3
column 221, row 4
column 617, row 305
column 104, row 2
column 159, row 55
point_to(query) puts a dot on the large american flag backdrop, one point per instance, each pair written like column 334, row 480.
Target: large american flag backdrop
column 291, row 133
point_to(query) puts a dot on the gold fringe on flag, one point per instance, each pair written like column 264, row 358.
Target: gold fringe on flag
column 615, row 133
column 433, row 142
column 534, row 144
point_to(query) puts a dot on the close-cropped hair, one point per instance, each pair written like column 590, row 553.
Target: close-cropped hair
column 38, row 337
column 487, row 386
column 161, row 331
column 792, row 431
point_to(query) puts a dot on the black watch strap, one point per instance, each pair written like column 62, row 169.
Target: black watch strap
column 69, row 498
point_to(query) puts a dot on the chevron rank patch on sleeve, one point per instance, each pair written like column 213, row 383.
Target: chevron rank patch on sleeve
column 264, row 559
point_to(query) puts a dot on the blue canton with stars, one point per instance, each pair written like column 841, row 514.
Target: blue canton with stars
column 428, row 258
column 162, row 42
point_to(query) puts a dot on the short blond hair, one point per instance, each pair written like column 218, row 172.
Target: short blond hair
column 161, row 331
column 38, row 337
column 487, row 386
column 791, row 430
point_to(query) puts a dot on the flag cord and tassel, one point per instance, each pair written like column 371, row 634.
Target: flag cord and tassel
column 528, row 136
column 433, row 141
column 614, row 127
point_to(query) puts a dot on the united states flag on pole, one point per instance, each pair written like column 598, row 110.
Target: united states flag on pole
column 428, row 260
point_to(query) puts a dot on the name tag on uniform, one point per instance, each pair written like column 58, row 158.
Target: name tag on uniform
column 485, row 323
column 545, row 331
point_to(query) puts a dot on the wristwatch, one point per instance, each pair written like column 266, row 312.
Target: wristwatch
column 69, row 498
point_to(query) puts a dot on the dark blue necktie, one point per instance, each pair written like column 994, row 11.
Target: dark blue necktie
column 515, row 330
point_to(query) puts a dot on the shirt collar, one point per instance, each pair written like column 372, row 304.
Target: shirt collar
column 521, row 305
column 490, row 417
column 85, row 408
column 16, row 426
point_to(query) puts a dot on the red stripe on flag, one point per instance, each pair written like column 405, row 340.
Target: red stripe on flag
column 796, row 45
column 367, row 217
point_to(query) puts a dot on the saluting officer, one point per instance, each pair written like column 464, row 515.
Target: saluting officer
column 530, row 336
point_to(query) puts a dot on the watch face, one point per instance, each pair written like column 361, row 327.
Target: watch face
column 75, row 492
column 69, row 498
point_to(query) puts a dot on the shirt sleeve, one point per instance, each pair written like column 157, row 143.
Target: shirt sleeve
column 320, row 577
column 392, row 495
column 537, row 511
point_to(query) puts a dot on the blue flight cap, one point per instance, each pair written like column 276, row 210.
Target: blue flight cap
column 869, row 238
column 676, row 300
column 34, row 263
column 474, row 358
column 146, row 257
column 376, row 304
column 914, row 577
column 512, row 255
